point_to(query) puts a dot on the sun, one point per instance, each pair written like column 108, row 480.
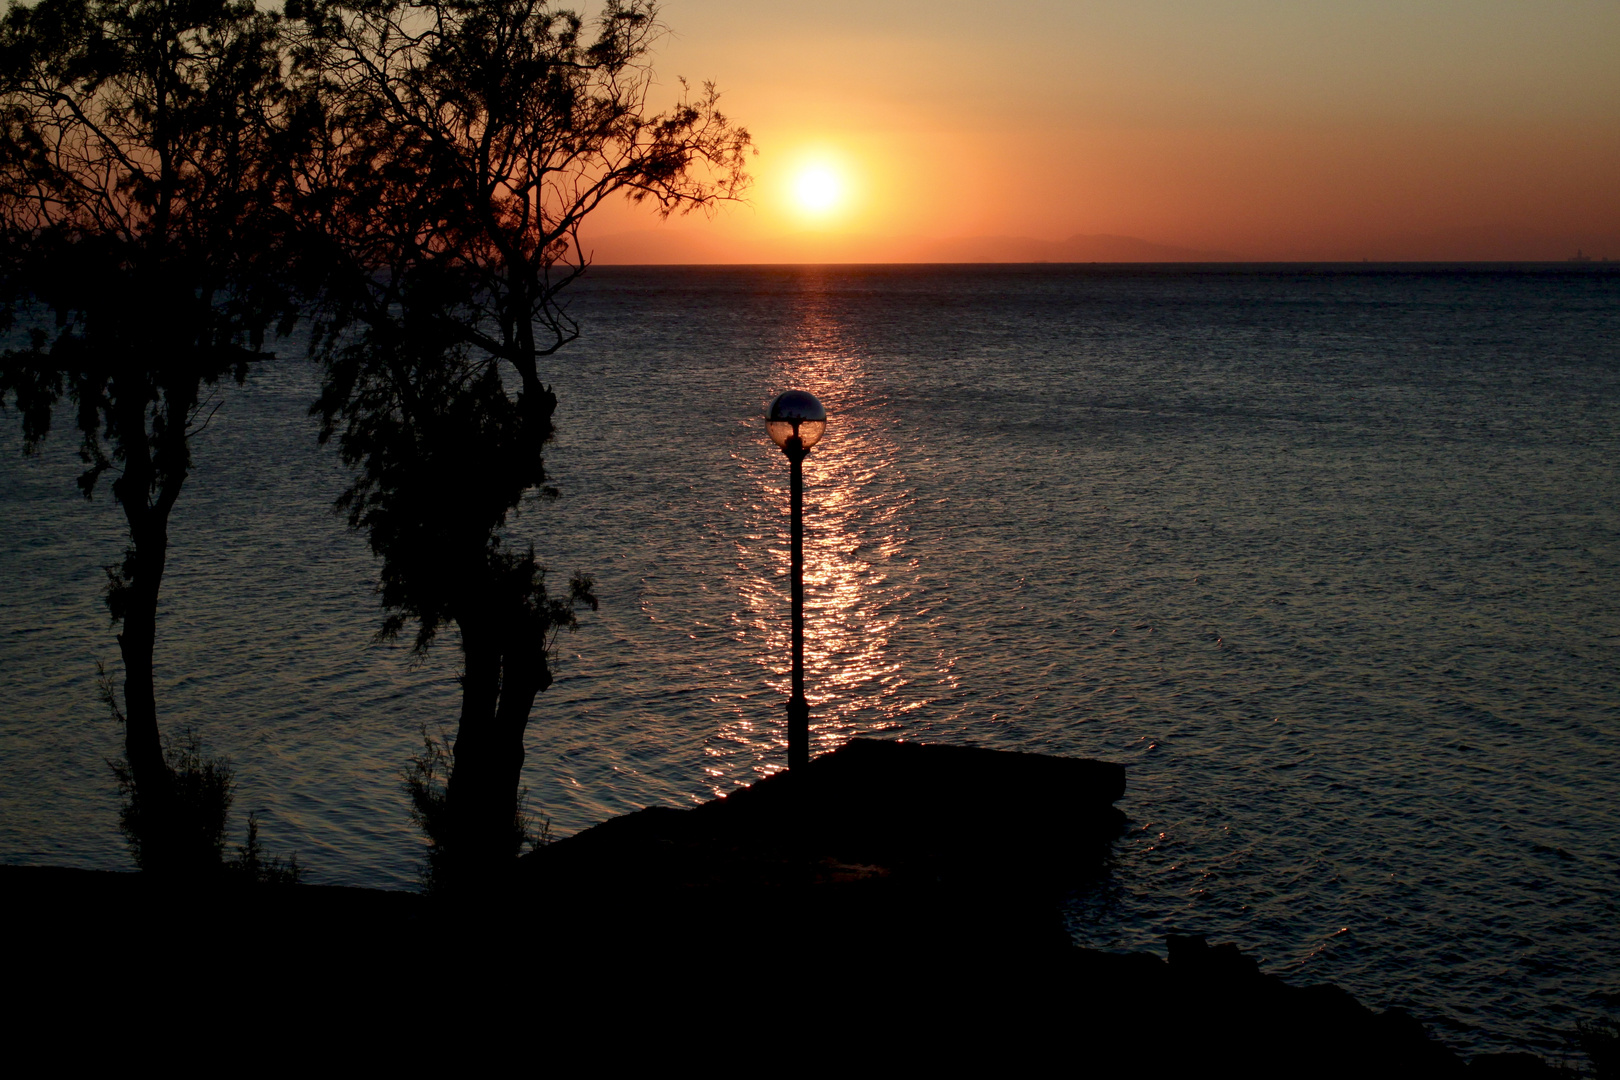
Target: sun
column 818, row 189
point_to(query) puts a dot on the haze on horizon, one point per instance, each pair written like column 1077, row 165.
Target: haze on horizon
column 1248, row 129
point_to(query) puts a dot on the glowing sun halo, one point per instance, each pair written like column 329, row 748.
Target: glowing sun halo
column 818, row 189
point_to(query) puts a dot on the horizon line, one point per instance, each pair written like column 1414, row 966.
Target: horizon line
column 1568, row 264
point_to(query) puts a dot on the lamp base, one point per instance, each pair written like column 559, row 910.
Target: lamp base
column 798, row 732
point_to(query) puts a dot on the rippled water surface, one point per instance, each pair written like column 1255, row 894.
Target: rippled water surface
column 1328, row 559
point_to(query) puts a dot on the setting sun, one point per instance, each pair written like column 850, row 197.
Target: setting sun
column 818, row 189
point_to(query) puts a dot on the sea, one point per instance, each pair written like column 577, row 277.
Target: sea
column 1327, row 556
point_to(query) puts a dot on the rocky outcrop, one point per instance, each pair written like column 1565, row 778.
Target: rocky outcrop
column 914, row 889
column 907, row 812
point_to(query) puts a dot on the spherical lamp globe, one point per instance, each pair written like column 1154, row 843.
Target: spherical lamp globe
column 795, row 413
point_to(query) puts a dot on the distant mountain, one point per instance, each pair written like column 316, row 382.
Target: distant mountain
column 674, row 246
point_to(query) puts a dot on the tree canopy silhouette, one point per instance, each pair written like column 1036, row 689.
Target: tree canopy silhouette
column 452, row 151
column 135, row 206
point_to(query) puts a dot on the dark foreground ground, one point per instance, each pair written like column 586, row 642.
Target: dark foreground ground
column 852, row 917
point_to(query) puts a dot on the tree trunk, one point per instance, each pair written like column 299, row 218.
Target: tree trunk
column 137, row 643
column 524, row 674
column 478, row 834
column 500, row 680
column 132, row 600
column 147, row 490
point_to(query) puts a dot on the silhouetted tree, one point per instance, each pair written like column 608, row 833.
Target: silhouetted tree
column 454, row 150
column 134, row 144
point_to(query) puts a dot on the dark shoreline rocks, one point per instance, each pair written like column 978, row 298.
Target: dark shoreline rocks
column 872, row 810
column 930, row 876
column 909, row 891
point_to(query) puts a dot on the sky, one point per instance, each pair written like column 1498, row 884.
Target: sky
column 1251, row 129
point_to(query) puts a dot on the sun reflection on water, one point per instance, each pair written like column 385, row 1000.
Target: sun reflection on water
column 860, row 574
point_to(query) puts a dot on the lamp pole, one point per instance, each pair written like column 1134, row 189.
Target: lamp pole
column 798, row 709
column 796, row 421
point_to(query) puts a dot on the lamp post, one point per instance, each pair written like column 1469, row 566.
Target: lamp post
column 796, row 421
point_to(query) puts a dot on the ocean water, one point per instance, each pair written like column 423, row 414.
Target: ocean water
column 1329, row 558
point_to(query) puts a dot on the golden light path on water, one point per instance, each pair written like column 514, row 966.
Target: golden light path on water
column 856, row 536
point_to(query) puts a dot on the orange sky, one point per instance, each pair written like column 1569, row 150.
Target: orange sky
column 1272, row 129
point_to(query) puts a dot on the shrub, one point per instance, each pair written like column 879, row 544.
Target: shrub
column 181, row 829
column 426, row 781
column 253, row 866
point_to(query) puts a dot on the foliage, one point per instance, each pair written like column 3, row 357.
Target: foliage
column 189, row 837
column 448, row 154
column 453, row 150
column 134, row 203
column 536, row 830
column 255, row 867
column 424, row 784
column 137, row 209
column 185, row 833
